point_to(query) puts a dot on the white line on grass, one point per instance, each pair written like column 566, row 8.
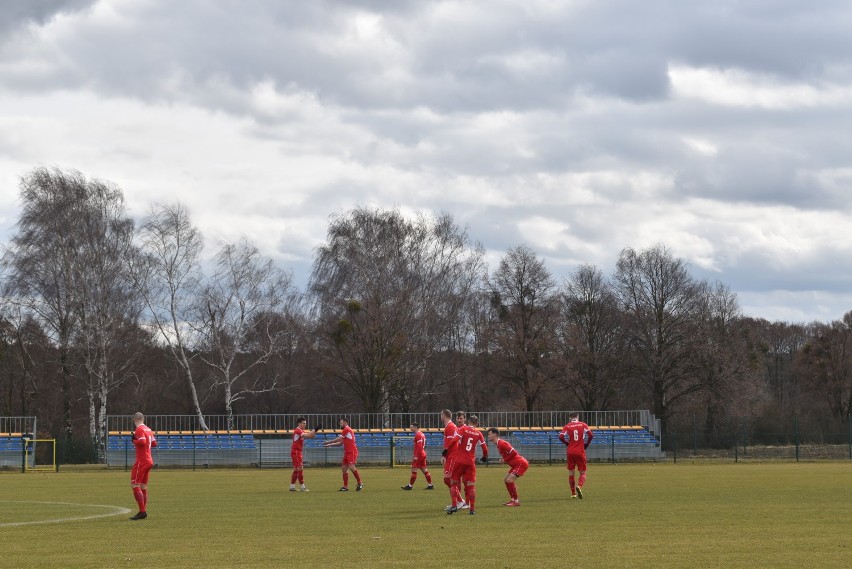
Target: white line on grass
column 115, row 511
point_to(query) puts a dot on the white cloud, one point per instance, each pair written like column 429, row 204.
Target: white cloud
column 740, row 88
column 578, row 127
column 704, row 147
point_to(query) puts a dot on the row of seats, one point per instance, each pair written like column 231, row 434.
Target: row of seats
column 640, row 436
column 10, row 444
column 235, row 441
column 188, row 442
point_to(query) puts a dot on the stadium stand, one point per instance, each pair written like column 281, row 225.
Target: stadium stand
column 10, row 450
column 265, row 440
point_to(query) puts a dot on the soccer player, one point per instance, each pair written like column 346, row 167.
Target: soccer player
column 461, row 418
column 464, row 463
column 450, row 440
column 418, row 462
column 517, row 464
column 350, row 454
column 144, row 441
column 299, row 436
column 577, row 436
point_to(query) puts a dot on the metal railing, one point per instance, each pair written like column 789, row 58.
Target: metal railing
column 17, row 425
column 259, row 423
column 13, row 453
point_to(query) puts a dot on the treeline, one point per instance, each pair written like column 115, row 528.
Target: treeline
column 102, row 315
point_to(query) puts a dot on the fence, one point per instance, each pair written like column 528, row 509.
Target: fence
column 744, row 444
column 274, row 423
column 264, row 440
column 382, row 449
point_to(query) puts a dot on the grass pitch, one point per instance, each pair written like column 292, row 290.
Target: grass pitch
column 633, row 515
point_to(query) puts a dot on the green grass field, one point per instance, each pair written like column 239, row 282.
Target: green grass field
column 633, row 515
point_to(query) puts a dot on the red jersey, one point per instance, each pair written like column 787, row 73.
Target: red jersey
column 349, row 445
column 468, row 438
column 577, row 436
column 144, row 441
column 298, row 440
column 450, row 435
column 508, row 453
column 419, row 445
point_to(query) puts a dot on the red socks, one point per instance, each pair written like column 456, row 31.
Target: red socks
column 346, row 479
column 455, row 494
column 140, row 498
column 357, row 476
column 301, row 477
column 412, row 479
column 582, row 480
column 470, row 494
column 428, row 478
column 571, row 483
column 513, row 490
column 294, row 477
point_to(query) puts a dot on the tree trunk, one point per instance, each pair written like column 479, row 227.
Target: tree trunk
column 192, row 391
column 67, row 432
column 229, row 408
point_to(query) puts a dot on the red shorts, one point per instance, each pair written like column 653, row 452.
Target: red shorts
column 418, row 462
column 519, row 467
column 139, row 474
column 464, row 470
column 350, row 458
column 578, row 461
column 297, row 459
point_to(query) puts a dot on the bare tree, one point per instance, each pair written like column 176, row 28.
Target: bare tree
column 827, row 360
column 105, row 301
column 781, row 342
column 662, row 303
column 168, row 277
column 22, row 350
column 239, row 328
column 40, row 274
column 728, row 362
column 69, row 265
column 591, row 337
column 525, row 311
column 386, row 290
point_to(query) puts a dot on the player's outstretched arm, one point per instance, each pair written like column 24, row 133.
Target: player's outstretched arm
column 311, row 434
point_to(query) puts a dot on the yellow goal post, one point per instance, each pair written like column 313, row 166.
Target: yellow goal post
column 37, row 458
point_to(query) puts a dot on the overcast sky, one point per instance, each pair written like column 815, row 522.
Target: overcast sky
column 721, row 129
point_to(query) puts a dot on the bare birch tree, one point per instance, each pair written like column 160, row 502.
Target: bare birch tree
column 70, row 267
column 238, row 319
column 40, row 276
column 168, row 276
column 105, row 301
